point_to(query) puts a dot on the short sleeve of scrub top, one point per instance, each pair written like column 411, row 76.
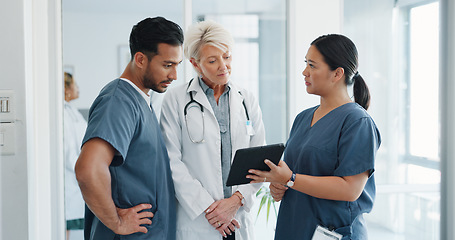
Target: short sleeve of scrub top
column 113, row 120
column 357, row 148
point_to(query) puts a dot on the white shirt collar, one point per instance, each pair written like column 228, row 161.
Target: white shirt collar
column 145, row 96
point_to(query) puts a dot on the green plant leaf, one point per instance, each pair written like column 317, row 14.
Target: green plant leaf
column 266, row 198
column 259, row 192
column 274, row 207
column 268, row 209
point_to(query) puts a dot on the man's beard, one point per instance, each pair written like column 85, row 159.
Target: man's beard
column 150, row 84
column 155, row 87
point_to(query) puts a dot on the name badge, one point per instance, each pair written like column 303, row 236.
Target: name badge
column 249, row 128
column 322, row 233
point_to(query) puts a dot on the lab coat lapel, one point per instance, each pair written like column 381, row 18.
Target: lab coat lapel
column 236, row 108
column 199, row 95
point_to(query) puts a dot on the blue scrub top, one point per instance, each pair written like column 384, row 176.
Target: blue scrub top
column 342, row 143
column 140, row 173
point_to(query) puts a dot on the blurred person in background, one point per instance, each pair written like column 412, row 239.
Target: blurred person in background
column 74, row 126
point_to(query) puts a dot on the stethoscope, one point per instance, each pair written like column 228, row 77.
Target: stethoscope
column 199, row 105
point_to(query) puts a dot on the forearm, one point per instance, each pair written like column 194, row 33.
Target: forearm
column 331, row 187
column 346, row 188
column 96, row 189
column 94, row 178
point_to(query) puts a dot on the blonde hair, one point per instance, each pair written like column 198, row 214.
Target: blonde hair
column 203, row 33
column 68, row 80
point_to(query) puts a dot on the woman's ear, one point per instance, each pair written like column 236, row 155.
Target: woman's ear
column 195, row 65
column 67, row 91
column 339, row 73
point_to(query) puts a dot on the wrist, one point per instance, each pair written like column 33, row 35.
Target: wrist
column 291, row 180
column 240, row 197
column 287, row 177
column 115, row 225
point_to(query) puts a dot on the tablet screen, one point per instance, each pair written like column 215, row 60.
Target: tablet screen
column 252, row 158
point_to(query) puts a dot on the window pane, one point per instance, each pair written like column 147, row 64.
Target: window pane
column 398, row 56
column 424, row 84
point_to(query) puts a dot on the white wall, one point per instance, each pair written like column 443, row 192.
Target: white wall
column 31, row 190
column 104, row 33
column 13, row 169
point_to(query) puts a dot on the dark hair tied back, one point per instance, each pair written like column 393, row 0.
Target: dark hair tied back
column 355, row 75
column 361, row 91
column 340, row 51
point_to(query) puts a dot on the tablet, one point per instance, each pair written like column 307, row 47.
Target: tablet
column 252, row 158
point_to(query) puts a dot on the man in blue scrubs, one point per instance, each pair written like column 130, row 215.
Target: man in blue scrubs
column 123, row 169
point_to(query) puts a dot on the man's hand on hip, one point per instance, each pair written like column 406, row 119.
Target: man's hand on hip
column 132, row 218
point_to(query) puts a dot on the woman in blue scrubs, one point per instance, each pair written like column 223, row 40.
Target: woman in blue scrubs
column 326, row 180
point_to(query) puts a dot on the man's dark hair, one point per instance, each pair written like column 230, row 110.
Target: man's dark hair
column 148, row 33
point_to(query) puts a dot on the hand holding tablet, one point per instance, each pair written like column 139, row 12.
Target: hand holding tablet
column 252, row 158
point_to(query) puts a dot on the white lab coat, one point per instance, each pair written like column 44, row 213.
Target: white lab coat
column 74, row 127
column 196, row 167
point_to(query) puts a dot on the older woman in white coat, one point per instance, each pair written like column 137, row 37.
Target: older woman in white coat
column 204, row 122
